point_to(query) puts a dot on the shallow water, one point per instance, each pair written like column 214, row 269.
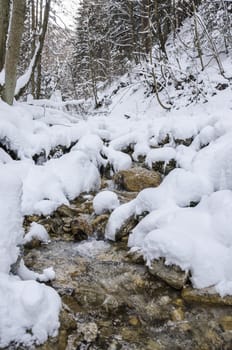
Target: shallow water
column 111, row 303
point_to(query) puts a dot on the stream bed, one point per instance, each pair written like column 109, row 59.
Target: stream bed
column 111, row 303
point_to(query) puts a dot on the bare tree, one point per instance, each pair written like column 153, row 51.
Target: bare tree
column 4, row 21
column 13, row 50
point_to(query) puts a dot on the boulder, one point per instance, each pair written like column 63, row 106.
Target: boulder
column 171, row 274
column 205, row 296
column 136, row 179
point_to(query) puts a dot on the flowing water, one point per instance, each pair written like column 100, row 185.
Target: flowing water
column 111, row 303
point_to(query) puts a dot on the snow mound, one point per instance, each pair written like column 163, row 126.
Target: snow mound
column 105, row 201
column 58, row 181
column 29, row 310
column 36, row 231
column 197, row 239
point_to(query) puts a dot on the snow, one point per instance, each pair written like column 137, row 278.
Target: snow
column 36, row 231
column 105, row 201
column 31, row 309
column 24, row 79
column 48, row 186
column 160, row 154
column 2, row 77
column 185, row 236
column 197, row 238
column 119, row 160
column 92, row 146
column 10, row 218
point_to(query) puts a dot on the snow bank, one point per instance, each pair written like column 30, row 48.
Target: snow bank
column 29, row 311
column 199, row 238
column 11, row 231
column 59, row 180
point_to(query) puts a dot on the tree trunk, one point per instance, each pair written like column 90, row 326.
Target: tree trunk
column 38, row 53
column 13, row 49
column 4, row 22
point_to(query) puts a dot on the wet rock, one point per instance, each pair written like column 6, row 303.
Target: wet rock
column 34, row 243
column 93, row 295
column 134, row 321
column 89, row 331
column 222, row 86
column 99, row 224
column 67, row 220
column 166, row 140
column 177, row 315
column 171, row 274
column 81, row 229
column 186, row 142
column 184, row 326
column 128, row 334
column 52, row 224
column 206, row 296
column 70, row 302
column 136, row 179
column 125, row 197
column 32, row 218
column 127, row 227
column 226, row 323
column 135, row 257
column 65, row 210
column 111, row 303
column 163, row 167
column 104, row 184
column 67, row 228
column 67, row 321
column 153, row 345
column 157, row 313
column 86, row 207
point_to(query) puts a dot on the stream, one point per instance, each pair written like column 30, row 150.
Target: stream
column 110, row 300
column 112, row 303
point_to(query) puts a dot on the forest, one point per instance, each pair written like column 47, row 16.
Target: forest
column 115, row 174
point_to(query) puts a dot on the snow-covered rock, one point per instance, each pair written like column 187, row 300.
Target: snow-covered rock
column 105, row 201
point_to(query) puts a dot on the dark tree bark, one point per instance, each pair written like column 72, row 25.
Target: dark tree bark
column 4, row 22
column 13, row 49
